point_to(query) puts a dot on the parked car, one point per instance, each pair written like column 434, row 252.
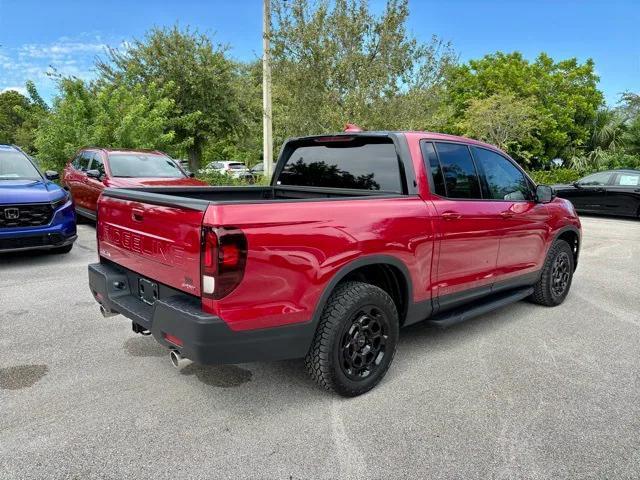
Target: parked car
column 360, row 234
column 234, row 169
column 614, row 192
column 258, row 170
column 93, row 169
column 35, row 213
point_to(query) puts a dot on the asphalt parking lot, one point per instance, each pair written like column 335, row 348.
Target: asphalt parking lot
column 524, row 392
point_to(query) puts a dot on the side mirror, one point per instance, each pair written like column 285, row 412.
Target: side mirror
column 576, row 184
column 51, row 175
column 94, row 174
column 191, row 174
column 544, row 194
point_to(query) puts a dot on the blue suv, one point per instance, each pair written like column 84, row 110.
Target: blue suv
column 35, row 213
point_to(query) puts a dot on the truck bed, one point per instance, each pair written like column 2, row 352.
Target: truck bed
column 199, row 198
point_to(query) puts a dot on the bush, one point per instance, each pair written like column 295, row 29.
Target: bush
column 557, row 175
column 220, row 179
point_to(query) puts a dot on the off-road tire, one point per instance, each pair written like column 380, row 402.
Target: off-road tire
column 326, row 359
column 544, row 293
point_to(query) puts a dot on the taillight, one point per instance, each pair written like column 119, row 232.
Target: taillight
column 223, row 258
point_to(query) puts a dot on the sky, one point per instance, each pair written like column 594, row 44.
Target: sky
column 68, row 34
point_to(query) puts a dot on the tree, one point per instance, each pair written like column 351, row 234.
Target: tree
column 503, row 120
column 19, row 116
column 192, row 72
column 564, row 93
column 103, row 115
column 336, row 62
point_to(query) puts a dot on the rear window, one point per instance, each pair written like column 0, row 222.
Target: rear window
column 354, row 162
column 237, row 166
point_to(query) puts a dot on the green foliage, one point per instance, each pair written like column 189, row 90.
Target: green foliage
column 104, row 115
column 220, row 179
column 20, row 115
column 193, row 73
column 555, row 176
column 336, row 62
column 503, row 120
column 564, row 93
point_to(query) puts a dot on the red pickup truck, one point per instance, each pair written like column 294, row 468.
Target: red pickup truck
column 358, row 235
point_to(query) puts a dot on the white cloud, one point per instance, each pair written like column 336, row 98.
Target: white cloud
column 33, row 61
column 21, row 90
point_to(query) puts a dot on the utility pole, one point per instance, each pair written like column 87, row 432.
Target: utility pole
column 267, row 130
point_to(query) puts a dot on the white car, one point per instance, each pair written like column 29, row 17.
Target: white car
column 235, row 169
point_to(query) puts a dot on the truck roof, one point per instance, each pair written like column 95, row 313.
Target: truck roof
column 412, row 135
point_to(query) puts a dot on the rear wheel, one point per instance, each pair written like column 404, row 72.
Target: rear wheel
column 355, row 341
column 554, row 283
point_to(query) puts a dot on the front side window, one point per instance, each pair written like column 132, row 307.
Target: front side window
column 363, row 163
column 143, row 165
column 504, row 180
column 97, row 163
column 15, row 165
column 628, row 180
column 595, row 180
column 83, row 162
column 460, row 176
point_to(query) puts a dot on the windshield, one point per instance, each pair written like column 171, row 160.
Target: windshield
column 143, row 165
column 15, row 165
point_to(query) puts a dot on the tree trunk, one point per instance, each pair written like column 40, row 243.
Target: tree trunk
column 195, row 153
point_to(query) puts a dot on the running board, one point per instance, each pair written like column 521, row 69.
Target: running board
column 493, row 302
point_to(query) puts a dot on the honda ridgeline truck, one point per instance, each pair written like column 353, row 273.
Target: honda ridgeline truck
column 359, row 234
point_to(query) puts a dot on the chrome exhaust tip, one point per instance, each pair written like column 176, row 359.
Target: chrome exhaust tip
column 107, row 313
column 177, row 360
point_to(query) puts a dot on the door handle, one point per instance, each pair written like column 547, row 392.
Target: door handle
column 137, row 215
column 451, row 216
column 507, row 214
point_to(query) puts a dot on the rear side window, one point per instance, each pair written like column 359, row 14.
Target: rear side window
column 627, row 180
column 349, row 162
column 504, row 180
column 433, row 166
column 460, row 176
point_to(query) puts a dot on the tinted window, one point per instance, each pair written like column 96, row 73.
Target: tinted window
column 143, row 165
column 433, row 166
column 14, row 165
column 627, row 180
column 360, row 163
column 504, row 180
column 97, row 163
column 601, row 178
column 460, row 177
column 76, row 162
column 83, row 163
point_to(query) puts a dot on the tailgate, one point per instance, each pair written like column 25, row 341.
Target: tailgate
column 159, row 242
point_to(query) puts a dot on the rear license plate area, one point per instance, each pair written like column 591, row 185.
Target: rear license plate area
column 147, row 291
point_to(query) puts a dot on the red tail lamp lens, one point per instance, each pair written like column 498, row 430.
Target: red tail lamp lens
column 223, row 259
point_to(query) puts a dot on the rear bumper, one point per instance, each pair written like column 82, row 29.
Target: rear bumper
column 205, row 338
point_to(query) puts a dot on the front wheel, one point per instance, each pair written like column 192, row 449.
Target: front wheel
column 355, row 341
column 554, row 283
